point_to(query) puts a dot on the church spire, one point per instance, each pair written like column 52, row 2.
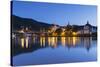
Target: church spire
column 68, row 23
column 87, row 22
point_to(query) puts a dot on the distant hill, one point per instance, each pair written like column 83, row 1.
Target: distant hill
column 18, row 22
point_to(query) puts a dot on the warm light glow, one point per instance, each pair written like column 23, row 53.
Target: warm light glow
column 54, row 41
column 27, row 38
column 22, row 42
column 68, row 40
column 42, row 41
column 74, row 33
column 49, row 41
column 63, row 34
column 54, row 34
column 63, row 41
column 74, row 41
column 49, row 31
column 21, row 31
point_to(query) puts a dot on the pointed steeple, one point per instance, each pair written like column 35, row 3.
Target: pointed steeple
column 69, row 26
column 87, row 22
column 68, row 23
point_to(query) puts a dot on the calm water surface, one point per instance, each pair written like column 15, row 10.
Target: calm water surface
column 48, row 50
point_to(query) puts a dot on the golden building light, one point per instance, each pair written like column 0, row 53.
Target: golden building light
column 74, row 33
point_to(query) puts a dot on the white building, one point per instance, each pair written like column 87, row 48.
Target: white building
column 87, row 28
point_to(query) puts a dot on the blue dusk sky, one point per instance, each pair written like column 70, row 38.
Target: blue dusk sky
column 56, row 13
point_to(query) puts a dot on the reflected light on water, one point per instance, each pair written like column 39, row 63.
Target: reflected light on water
column 63, row 41
column 68, row 40
column 63, row 49
column 27, row 38
column 71, row 41
column 42, row 41
column 87, row 42
column 74, row 41
column 49, row 41
column 22, row 42
column 54, row 41
column 25, row 42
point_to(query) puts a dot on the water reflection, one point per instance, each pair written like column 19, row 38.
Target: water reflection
column 25, row 42
column 81, row 49
column 87, row 42
column 42, row 41
column 27, row 38
column 54, row 41
column 22, row 42
column 74, row 41
column 63, row 41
